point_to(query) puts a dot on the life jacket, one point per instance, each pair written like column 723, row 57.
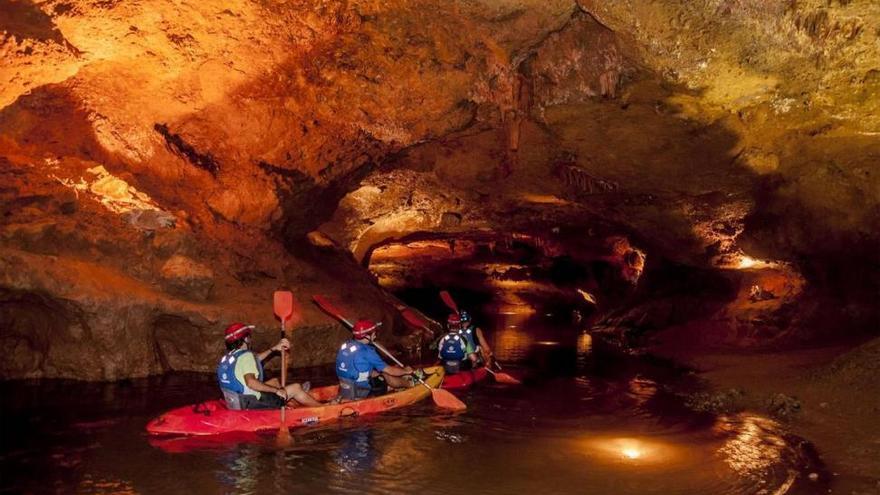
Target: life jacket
column 350, row 366
column 230, row 385
column 453, row 347
column 470, row 335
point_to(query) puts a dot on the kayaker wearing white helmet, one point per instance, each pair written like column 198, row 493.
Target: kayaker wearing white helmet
column 241, row 376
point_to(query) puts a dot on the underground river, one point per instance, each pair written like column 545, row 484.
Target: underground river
column 588, row 419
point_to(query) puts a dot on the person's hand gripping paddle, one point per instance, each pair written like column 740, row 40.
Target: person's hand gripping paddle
column 284, row 307
column 443, row 398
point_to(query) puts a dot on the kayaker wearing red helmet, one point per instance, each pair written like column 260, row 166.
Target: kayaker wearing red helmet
column 361, row 371
column 452, row 348
column 241, row 376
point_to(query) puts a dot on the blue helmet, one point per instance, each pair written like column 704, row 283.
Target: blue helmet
column 464, row 315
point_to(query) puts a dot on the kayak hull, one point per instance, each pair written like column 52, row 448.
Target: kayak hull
column 212, row 417
column 464, row 379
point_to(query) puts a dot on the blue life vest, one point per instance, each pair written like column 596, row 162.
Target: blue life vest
column 470, row 334
column 354, row 362
column 226, row 371
column 453, row 347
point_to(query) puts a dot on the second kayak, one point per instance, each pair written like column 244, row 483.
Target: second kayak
column 464, row 379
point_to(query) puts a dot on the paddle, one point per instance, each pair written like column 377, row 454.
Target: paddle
column 443, row 398
column 283, row 306
column 450, row 302
column 502, row 377
column 499, row 376
column 412, row 318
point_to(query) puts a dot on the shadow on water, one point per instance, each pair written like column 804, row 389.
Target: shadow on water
column 588, row 419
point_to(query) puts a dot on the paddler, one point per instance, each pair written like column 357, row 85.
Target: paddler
column 452, row 348
column 478, row 348
column 241, row 376
column 361, row 371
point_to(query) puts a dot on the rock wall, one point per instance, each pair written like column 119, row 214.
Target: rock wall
column 162, row 163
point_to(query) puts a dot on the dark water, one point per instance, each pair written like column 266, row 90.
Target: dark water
column 587, row 420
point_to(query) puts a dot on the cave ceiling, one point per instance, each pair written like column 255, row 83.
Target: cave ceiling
column 196, row 154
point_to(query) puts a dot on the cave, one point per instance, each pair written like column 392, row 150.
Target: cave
column 663, row 217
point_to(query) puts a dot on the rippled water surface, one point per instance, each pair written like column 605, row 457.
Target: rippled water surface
column 587, row 420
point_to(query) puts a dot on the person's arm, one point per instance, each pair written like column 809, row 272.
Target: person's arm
column 481, row 340
column 251, row 381
column 379, row 365
column 282, row 345
column 395, row 370
column 484, row 345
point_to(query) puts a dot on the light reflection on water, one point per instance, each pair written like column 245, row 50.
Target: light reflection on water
column 753, row 445
column 109, row 486
column 585, row 422
column 509, row 338
column 636, row 451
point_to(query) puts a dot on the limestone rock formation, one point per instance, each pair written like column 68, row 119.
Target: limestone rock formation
column 187, row 277
column 161, row 163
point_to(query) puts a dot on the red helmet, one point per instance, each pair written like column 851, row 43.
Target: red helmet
column 237, row 331
column 364, row 328
column 454, row 320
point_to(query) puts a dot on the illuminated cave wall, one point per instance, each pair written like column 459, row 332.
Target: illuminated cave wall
column 162, row 163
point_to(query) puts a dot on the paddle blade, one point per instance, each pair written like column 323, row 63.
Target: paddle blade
column 505, row 378
column 448, row 300
column 283, row 305
column 446, row 400
column 330, row 309
column 282, row 438
column 413, row 319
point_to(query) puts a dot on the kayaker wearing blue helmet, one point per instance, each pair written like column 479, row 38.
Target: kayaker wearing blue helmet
column 241, row 376
column 477, row 346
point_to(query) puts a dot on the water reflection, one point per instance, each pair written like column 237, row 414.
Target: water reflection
column 357, row 453
column 242, row 471
column 754, row 443
column 584, row 347
column 598, row 423
column 584, row 344
column 633, row 450
column 510, row 340
column 641, row 390
column 107, row 486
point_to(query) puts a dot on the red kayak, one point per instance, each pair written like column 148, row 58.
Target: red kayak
column 464, row 379
column 213, row 417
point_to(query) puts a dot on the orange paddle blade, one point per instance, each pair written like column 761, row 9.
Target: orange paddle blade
column 505, row 378
column 283, row 305
column 282, row 438
column 444, row 399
